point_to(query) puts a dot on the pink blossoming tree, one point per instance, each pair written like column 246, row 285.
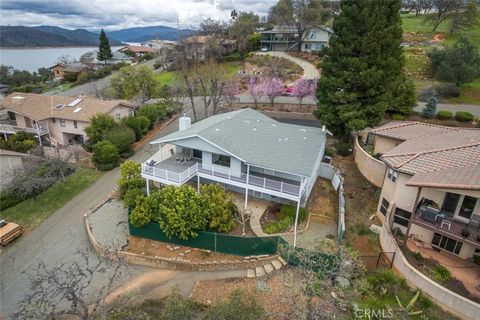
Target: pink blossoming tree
column 255, row 90
column 230, row 91
column 304, row 88
column 272, row 88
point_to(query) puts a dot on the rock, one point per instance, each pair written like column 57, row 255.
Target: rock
column 259, row 271
column 208, row 301
column 333, row 294
column 342, row 281
column 143, row 253
column 375, row 229
column 250, row 273
column 181, row 254
column 276, row 264
column 188, row 251
column 268, row 268
column 176, row 248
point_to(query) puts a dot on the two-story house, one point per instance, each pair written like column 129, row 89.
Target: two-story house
column 61, row 120
column 432, row 184
column 245, row 151
column 283, row 38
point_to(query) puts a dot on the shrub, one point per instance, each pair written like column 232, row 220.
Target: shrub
column 178, row 307
column 20, row 142
column 430, row 109
column 219, row 206
column 70, row 77
column 100, row 124
column 463, row 116
column 444, row 115
column 144, row 211
column 123, row 137
column 235, row 56
column 418, row 256
column 398, row 116
column 130, row 176
column 105, row 155
column 329, row 151
column 286, row 219
column 440, row 273
column 448, row 90
column 344, row 149
column 139, row 125
column 279, row 226
column 476, row 258
column 290, row 211
column 239, row 305
column 8, row 199
column 132, row 197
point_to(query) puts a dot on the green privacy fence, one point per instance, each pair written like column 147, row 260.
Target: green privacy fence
column 217, row 242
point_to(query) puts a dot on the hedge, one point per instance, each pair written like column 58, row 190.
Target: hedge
column 444, row 115
column 463, row 116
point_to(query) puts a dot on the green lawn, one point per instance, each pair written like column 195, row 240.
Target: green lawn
column 168, row 77
column 417, row 62
column 31, row 212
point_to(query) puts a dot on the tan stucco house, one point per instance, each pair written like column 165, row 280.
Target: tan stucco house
column 62, row 120
column 60, row 70
column 432, row 184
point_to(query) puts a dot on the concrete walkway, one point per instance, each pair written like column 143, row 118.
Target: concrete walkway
column 309, row 70
column 318, row 229
column 257, row 207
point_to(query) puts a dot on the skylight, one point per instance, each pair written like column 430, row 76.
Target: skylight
column 75, row 102
column 78, row 109
column 59, row 106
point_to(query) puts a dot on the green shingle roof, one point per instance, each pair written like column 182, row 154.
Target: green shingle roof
column 258, row 140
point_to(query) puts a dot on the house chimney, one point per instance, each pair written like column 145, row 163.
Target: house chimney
column 324, row 128
column 184, row 123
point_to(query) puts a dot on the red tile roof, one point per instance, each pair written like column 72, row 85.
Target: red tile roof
column 404, row 130
column 456, row 178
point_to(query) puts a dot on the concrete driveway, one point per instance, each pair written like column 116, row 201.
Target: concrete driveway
column 309, row 70
column 59, row 237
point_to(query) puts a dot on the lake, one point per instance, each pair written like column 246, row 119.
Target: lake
column 31, row 59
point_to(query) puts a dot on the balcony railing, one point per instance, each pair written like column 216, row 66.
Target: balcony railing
column 438, row 221
column 214, row 172
column 10, row 129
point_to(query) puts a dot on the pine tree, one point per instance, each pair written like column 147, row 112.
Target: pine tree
column 430, row 110
column 104, row 50
column 362, row 73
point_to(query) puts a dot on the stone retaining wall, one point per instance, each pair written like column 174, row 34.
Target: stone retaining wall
column 75, row 155
column 372, row 169
column 448, row 300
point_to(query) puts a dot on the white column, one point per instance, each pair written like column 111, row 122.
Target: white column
column 198, row 183
column 246, row 188
column 160, row 150
column 148, row 186
column 296, row 223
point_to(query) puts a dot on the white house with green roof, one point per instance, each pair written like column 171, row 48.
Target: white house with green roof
column 243, row 150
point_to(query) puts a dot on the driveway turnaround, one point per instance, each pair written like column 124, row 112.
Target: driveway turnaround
column 309, row 70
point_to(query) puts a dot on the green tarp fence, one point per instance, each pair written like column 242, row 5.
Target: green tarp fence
column 216, row 242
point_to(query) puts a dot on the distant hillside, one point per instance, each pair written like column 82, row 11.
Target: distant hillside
column 148, row 33
column 48, row 36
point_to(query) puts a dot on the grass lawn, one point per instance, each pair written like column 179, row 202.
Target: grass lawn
column 167, row 77
column 31, row 212
column 416, row 66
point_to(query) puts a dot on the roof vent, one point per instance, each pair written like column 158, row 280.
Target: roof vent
column 304, row 130
column 216, row 129
column 75, row 102
column 274, row 125
column 18, row 97
column 59, row 106
column 254, row 129
column 247, row 121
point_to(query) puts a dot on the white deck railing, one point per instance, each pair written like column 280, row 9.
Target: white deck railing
column 10, row 129
column 211, row 171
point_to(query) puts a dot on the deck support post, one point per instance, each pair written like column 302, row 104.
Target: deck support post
column 198, row 183
column 246, row 187
column 296, row 223
column 148, row 186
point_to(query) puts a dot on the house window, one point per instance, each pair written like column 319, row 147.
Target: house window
column 197, row 154
column 75, row 124
column 130, row 113
column 392, row 175
column 62, row 122
column 117, row 116
column 53, row 120
column 450, row 203
column 446, row 243
column 402, row 217
column 317, row 47
column 221, row 160
column 466, row 209
column 384, row 206
column 311, row 35
column 307, row 46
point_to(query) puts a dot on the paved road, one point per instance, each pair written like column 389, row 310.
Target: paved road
column 473, row 109
column 91, row 88
column 309, row 70
column 59, row 237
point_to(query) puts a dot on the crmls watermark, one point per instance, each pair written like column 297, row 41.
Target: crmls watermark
column 367, row 313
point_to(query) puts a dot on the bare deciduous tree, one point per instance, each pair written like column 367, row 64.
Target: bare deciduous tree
column 62, row 290
column 242, row 216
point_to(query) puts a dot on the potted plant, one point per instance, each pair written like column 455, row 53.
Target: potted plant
column 465, row 232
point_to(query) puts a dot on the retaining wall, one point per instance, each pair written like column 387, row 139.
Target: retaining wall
column 372, row 169
column 448, row 300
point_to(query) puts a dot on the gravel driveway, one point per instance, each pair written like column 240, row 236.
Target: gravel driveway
column 309, row 70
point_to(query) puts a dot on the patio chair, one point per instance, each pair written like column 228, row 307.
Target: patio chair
column 187, row 155
column 177, row 157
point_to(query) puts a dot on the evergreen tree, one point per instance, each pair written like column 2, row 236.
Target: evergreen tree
column 362, row 73
column 104, row 50
column 430, row 110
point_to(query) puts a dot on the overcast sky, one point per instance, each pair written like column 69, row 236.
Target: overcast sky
column 119, row 14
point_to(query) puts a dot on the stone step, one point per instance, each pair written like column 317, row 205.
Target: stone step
column 259, row 271
column 276, row 264
column 250, row 273
column 268, row 268
column 282, row 260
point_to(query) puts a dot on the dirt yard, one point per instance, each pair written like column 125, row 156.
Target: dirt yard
column 162, row 249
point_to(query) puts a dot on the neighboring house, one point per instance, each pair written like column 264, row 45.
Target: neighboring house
column 159, row 44
column 9, row 162
column 204, row 46
column 60, row 119
column 432, row 183
column 246, row 152
column 283, row 38
column 139, row 51
column 61, row 71
column 3, row 90
column 90, row 59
